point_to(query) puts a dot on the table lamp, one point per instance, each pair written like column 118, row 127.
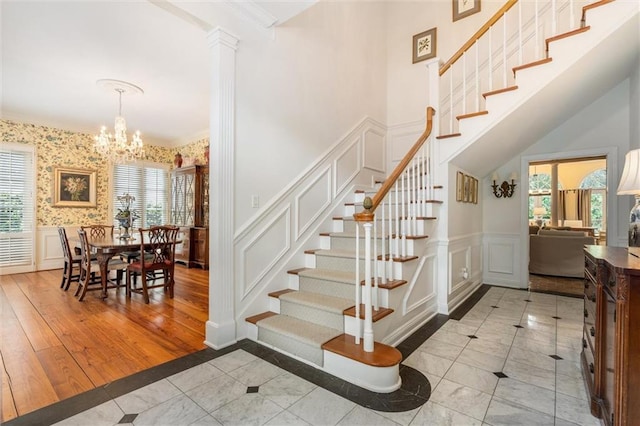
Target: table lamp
column 538, row 212
column 630, row 185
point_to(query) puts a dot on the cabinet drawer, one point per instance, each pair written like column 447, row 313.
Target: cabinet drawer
column 589, row 364
column 589, row 335
column 590, row 268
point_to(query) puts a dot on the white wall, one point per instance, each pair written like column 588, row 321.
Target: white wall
column 300, row 92
column 407, row 91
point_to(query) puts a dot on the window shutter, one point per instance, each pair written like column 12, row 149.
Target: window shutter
column 149, row 184
column 17, row 216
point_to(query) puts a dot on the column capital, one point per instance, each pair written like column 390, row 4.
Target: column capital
column 221, row 36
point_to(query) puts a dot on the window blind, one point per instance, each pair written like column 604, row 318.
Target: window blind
column 149, row 184
column 17, row 216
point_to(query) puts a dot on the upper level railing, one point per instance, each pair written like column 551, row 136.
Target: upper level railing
column 514, row 36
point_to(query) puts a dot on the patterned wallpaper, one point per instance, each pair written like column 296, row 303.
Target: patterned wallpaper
column 57, row 147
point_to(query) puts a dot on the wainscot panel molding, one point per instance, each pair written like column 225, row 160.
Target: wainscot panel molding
column 401, row 138
column 502, row 262
column 464, row 268
column 292, row 221
column 48, row 248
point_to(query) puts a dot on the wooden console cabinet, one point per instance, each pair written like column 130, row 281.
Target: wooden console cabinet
column 190, row 212
column 611, row 334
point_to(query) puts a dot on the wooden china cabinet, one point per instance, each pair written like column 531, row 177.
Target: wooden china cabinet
column 611, row 334
column 190, row 212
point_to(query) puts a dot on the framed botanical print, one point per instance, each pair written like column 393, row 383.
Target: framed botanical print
column 459, row 186
column 74, row 187
column 464, row 8
column 424, row 45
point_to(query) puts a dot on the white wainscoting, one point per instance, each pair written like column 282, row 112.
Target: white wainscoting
column 502, row 260
column 464, row 270
column 274, row 241
column 48, row 248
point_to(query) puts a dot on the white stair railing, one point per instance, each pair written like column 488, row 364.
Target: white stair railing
column 405, row 205
column 516, row 35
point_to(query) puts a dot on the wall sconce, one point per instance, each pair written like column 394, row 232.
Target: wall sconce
column 505, row 189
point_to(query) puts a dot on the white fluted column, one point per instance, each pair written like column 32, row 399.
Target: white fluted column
column 221, row 326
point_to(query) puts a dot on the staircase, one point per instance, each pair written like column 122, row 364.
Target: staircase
column 314, row 318
column 329, row 312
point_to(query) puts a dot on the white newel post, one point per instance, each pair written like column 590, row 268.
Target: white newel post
column 368, row 314
column 221, row 326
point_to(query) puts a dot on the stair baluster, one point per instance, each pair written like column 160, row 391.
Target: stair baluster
column 405, row 178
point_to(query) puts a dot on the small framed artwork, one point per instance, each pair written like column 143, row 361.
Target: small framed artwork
column 459, row 186
column 424, row 45
column 464, row 8
column 74, row 187
column 467, row 189
column 474, row 190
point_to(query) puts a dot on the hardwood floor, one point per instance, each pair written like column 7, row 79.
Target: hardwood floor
column 53, row 347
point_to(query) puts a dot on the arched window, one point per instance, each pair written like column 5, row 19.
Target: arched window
column 597, row 182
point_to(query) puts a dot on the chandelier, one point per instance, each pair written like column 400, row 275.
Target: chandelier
column 117, row 147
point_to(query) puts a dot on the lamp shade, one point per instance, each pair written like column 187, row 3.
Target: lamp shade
column 630, row 180
column 539, row 211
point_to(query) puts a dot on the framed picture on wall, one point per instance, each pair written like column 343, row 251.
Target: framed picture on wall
column 424, row 45
column 464, row 8
column 459, row 186
column 474, row 190
column 74, row 187
column 467, row 189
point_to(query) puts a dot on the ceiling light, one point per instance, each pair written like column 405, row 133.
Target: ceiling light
column 118, row 148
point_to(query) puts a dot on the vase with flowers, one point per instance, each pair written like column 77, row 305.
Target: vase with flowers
column 126, row 215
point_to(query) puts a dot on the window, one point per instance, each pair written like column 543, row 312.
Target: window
column 540, row 194
column 149, row 184
column 17, row 216
column 597, row 181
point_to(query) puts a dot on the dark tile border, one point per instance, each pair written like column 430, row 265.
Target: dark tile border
column 414, row 392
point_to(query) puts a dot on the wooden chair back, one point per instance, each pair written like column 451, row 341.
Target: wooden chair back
column 98, row 231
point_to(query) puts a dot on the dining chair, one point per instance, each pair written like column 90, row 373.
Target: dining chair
column 71, row 261
column 98, row 231
column 158, row 244
column 90, row 269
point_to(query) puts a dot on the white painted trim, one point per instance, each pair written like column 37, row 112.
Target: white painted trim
column 301, row 230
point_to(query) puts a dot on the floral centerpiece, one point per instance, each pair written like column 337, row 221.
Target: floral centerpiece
column 126, row 216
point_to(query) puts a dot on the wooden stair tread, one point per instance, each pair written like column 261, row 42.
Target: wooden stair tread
column 452, row 135
column 279, row 293
column 531, row 64
column 377, row 315
column 296, row 271
column 399, row 259
column 416, row 237
column 471, row 114
column 255, row 318
column 382, row 355
column 565, row 35
column 498, row 91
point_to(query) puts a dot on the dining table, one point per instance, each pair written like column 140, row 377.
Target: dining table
column 109, row 246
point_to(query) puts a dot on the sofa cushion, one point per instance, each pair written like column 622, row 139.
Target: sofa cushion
column 533, row 229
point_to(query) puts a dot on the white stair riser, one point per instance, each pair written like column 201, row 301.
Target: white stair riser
column 376, row 379
column 421, row 226
column 349, row 243
column 274, row 305
column 329, row 288
column 288, row 344
column 351, row 325
column 395, row 271
column 315, row 315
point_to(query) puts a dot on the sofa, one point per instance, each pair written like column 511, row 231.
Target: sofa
column 558, row 253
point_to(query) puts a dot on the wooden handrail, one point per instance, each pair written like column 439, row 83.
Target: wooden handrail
column 371, row 204
column 508, row 5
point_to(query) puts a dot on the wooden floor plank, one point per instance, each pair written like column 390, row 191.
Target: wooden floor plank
column 54, row 347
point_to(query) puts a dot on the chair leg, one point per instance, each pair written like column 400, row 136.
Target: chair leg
column 128, row 283
column 84, row 284
column 145, row 289
column 64, row 275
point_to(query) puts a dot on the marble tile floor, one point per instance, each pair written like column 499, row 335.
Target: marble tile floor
column 511, row 359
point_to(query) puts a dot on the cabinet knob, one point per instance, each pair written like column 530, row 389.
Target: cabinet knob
column 584, row 343
column 593, row 298
column 592, row 331
column 591, row 369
